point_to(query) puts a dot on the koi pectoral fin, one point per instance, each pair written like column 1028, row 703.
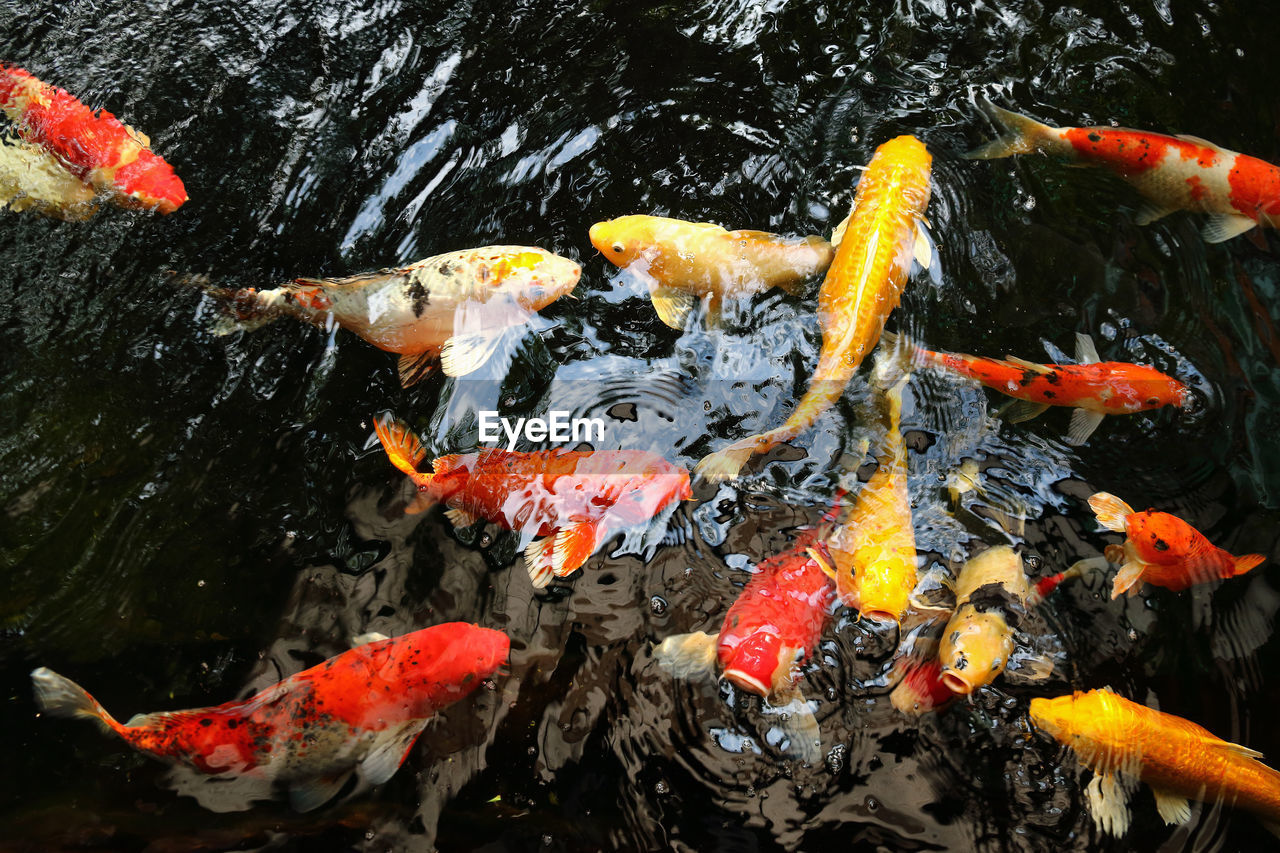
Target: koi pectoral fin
column 1028, row 667
column 687, row 655
column 672, row 304
column 1108, row 804
column 1128, row 579
column 414, row 367
column 1223, row 226
column 1083, row 423
column 465, row 353
column 538, row 560
column 389, row 752
column 1110, row 510
column 365, row 639
column 1172, row 807
column 573, row 546
column 1023, row 410
column 310, row 794
column 793, row 717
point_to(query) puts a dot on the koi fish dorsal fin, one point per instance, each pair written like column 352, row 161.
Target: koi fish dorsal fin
column 402, row 447
column 687, row 655
column 1111, row 511
column 1195, row 140
column 1028, row 365
column 1086, row 352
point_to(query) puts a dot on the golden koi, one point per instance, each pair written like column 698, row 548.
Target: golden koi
column 1123, row 742
column 874, row 248
column 685, row 261
column 452, row 307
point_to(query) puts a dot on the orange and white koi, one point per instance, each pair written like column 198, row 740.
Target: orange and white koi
column 1162, row 549
column 96, row 148
column 873, row 550
column 453, row 307
column 874, row 249
column 1171, row 172
column 1094, row 387
column 575, row 499
column 993, row 595
column 682, row 262
column 768, row 632
column 360, row 711
column 31, row 179
column 1124, row 743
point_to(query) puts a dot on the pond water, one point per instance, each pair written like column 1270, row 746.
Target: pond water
column 186, row 518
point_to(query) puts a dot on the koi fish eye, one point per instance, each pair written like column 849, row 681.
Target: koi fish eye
column 1161, row 545
column 617, row 248
column 1153, row 401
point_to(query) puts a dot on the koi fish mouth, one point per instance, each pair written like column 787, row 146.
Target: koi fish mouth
column 956, row 683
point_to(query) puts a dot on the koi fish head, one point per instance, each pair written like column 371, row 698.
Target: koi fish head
column 906, row 154
column 753, row 664
column 150, row 182
column 624, row 239
column 532, row 277
column 974, row 650
column 1159, row 538
column 1093, row 724
column 450, row 660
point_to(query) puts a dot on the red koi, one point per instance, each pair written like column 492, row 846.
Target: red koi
column 97, row 148
column 574, row 499
column 1095, row 388
column 1162, row 549
column 360, row 711
column 1171, row 172
column 768, row 632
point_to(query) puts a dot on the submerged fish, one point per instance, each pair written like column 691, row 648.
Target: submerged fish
column 96, row 148
column 1172, row 172
column 686, row 261
column 1095, row 388
column 873, row 551
column 1164, row 550
column 874, row 248
column 453, row 307
column 574, row 499
column 360, row 711
column 1123, row 743
column 768, row 632
column 916, row 673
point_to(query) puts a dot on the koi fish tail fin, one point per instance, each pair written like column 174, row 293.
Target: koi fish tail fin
column 406, row 452
column 1247, row 562
column 1111, row 511
column 1080, row 568
column 1018, row 134
column 725, row 464
column 240, row 309
column 59, row 696
column 687, row 655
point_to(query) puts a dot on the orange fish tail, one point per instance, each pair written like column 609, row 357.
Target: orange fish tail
column 402, row 447
column 1245, row 563
column 59, row 696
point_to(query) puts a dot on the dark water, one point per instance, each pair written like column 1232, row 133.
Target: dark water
column 185, row 518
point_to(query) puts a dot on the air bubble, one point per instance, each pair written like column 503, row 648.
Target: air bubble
column 658, row 605
column 661, row 787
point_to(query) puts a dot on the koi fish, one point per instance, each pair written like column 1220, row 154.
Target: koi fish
column 31, row 179
column 685, row 261
column 992, row 597
column 874, row 248
column 98, row 149
column 1171, row 172
column 768, row 633
column 574, row 499
column 916, row 673
column 1162, row 549
column 452, row 307
column 873, row 552
column 1124, row 743
column 1094, row 387
column 360, row 711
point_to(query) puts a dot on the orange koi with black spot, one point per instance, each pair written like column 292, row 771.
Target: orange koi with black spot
column 97, row 148
column 1171, row 172
column 1162, row 549
column 360, row 711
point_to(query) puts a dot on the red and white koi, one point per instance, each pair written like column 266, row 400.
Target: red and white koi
column 98, row 149
column 360, row 712
column 453, row 307
column 1095, row 388
column 1171, row 172
column 767, row 634
column 1162, row 549
column 574, row 499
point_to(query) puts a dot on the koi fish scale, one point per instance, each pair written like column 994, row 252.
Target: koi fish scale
column 361, row 709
